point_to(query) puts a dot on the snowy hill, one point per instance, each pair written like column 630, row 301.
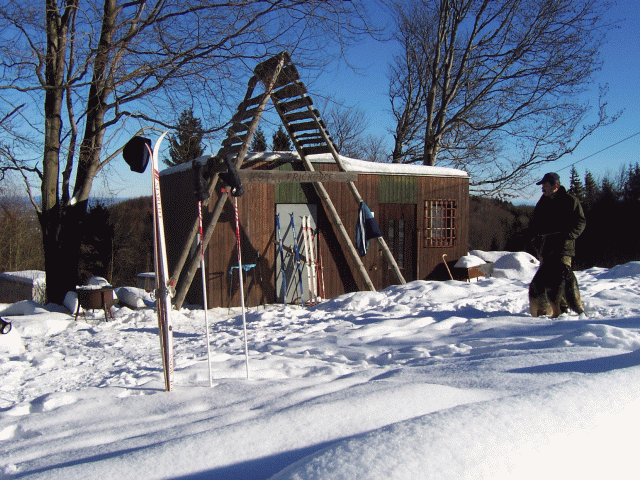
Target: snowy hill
column 430, row 380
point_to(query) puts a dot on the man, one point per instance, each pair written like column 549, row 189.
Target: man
column 557, row 221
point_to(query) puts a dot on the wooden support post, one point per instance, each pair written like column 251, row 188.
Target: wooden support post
column 381, row 241
column 183, row 287
column 213, row 181
column 322, row 193
column 337, row 222
column 333, row 213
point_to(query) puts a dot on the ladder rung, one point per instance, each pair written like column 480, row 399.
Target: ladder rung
column 292, row 117
column 291, row 90
column 236, row 128
column 295, row 104
column 249, row 103
column 248, row 114
column 227, row 150
column 310, row 140
column 234, row 140
column 315, row 150
column 304, row 126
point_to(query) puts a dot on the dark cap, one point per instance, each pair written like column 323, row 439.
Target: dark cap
column 551, row 177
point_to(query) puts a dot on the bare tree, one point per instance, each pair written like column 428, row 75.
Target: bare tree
column 495, row 86
column 93, row 69
column 374, row 149
column 407, row 97
column 347, row 126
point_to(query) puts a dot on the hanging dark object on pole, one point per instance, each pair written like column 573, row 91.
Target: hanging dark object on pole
column 136, row 153
column 232, row 179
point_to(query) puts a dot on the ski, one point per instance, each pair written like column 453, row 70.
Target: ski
column 320, row 271
column 297, row 257
column 282, row 266
column 307, row 256
column 163, row 300
column 312, row 261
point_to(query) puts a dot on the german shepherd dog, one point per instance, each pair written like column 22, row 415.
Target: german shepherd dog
column 554, row 290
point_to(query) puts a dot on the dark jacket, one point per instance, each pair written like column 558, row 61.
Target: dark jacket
column 556, row 224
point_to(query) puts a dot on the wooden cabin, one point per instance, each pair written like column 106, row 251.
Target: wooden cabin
column 422, row 213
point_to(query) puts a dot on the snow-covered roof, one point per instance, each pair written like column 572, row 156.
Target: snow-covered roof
column 30, row 277
column 351, row 164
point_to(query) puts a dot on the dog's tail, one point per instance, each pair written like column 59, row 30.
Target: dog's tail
column 572, row 293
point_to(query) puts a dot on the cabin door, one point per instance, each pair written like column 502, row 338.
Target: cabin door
column 295, row 286
column 398, row 226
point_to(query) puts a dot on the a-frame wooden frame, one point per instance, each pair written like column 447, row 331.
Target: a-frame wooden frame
column 309, row 136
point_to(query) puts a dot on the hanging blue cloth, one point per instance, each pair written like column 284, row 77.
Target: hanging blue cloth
column 366, row 229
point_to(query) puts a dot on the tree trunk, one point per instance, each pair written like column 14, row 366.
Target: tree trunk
column 53, row 217
column 61, row 238
column 430, row 150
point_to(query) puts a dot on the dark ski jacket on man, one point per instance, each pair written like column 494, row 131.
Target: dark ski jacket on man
column 557, row 222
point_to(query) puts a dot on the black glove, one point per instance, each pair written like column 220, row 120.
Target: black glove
column 5, row 327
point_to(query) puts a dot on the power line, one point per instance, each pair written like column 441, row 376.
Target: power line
column 600, row 151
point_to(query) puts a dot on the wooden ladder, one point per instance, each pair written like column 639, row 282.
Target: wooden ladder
column 244, row 124
column 309, row 136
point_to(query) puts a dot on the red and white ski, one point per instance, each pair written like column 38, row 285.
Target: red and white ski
column 307, row 258
column 310, row 256
column 163, row 299
column 314, row 277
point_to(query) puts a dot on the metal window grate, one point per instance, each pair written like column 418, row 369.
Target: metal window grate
column 440, row 223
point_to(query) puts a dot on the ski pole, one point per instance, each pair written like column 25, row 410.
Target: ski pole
column 204, row 292
column 201, row 194
column 244, row 320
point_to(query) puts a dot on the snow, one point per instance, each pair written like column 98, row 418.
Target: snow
column 29, row 277
column 350, row 164
column 429, row 380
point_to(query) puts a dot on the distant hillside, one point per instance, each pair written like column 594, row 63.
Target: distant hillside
column 498, row 225
column 132, row 222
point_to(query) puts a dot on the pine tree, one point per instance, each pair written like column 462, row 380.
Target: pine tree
column 632, row 185
column 591, row 190
column 186, row 146
column 259, row 142
column 576, row 187
column 281, row 142
column 608, row 190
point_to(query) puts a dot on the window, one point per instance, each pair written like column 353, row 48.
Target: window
column 440, row 223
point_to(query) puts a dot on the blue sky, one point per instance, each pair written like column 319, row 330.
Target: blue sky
column 621, row 71
column 367, row 88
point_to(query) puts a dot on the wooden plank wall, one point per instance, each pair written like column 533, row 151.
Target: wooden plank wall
column 435, row 188
column 258, row 235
